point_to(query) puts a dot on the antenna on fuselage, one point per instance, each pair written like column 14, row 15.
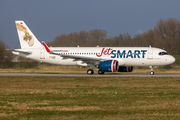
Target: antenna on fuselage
column 77, row 45
column 150, row 46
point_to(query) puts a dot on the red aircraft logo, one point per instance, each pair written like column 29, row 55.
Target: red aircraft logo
column 105, row 52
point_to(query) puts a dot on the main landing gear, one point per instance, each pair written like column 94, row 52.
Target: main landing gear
column 152, row 72
column 90, row 71
column 100, row 72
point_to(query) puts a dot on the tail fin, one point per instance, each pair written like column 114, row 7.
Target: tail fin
column 26, row 37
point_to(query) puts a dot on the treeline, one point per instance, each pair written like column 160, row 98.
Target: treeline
column 6, row 59
column 165, row 35
column 5, row 56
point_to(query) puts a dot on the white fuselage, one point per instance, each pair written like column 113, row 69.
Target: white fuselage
column 127, row 56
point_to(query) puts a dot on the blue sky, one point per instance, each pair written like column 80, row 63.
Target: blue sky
column 50, row 18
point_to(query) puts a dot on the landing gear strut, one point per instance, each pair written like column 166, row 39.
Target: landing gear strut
column 152, row 72
column 90, row 71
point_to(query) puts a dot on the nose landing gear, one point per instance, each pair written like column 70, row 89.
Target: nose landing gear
column 152, row 72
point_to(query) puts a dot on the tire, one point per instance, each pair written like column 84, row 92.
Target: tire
column 152, row 72
column 90, row 71
column 100, row 72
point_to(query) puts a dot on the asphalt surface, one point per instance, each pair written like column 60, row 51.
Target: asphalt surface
column 86, row 75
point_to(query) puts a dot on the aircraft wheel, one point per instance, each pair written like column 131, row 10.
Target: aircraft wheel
column 152, row 72
column 100, row 72
column 90, row 71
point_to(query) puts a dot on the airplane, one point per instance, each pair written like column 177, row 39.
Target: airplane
column 106, row 59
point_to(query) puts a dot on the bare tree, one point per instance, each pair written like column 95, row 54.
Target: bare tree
column 166, row 34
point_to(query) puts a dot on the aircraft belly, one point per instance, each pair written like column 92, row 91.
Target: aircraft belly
column 135, row 62
column 141, row 62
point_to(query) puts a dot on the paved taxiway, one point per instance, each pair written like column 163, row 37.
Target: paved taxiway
column 85, row 75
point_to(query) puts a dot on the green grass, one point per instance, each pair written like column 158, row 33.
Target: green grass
column 177, row 57
column 89, row 98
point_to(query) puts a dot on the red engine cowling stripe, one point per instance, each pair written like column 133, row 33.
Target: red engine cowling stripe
column 129, row 69
column 114, row 64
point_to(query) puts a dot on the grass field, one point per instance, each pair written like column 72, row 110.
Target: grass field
column 177, row 57
column 94, row 98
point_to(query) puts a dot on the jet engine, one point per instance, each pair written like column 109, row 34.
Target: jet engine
column 108, row 66
column 125, row 68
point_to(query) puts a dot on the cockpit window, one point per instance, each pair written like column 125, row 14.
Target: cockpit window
column 163, row 53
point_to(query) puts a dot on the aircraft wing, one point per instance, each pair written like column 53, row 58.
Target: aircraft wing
column 76, row 58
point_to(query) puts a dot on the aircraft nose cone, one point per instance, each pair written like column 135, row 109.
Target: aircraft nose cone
column 170, row 60
column 173, row 59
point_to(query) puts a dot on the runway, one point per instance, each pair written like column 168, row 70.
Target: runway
column 86, row 75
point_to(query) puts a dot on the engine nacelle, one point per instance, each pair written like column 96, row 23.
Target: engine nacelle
column 108, row 66
column 125, row 68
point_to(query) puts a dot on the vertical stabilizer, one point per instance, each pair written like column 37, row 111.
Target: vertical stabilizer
column 26, row 37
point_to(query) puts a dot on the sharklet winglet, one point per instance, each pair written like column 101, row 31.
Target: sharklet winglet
column 46, row 47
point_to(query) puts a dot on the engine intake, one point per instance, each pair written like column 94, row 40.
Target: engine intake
column 108, row 66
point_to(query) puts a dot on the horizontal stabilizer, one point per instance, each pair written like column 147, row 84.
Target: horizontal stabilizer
column 20, row 50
